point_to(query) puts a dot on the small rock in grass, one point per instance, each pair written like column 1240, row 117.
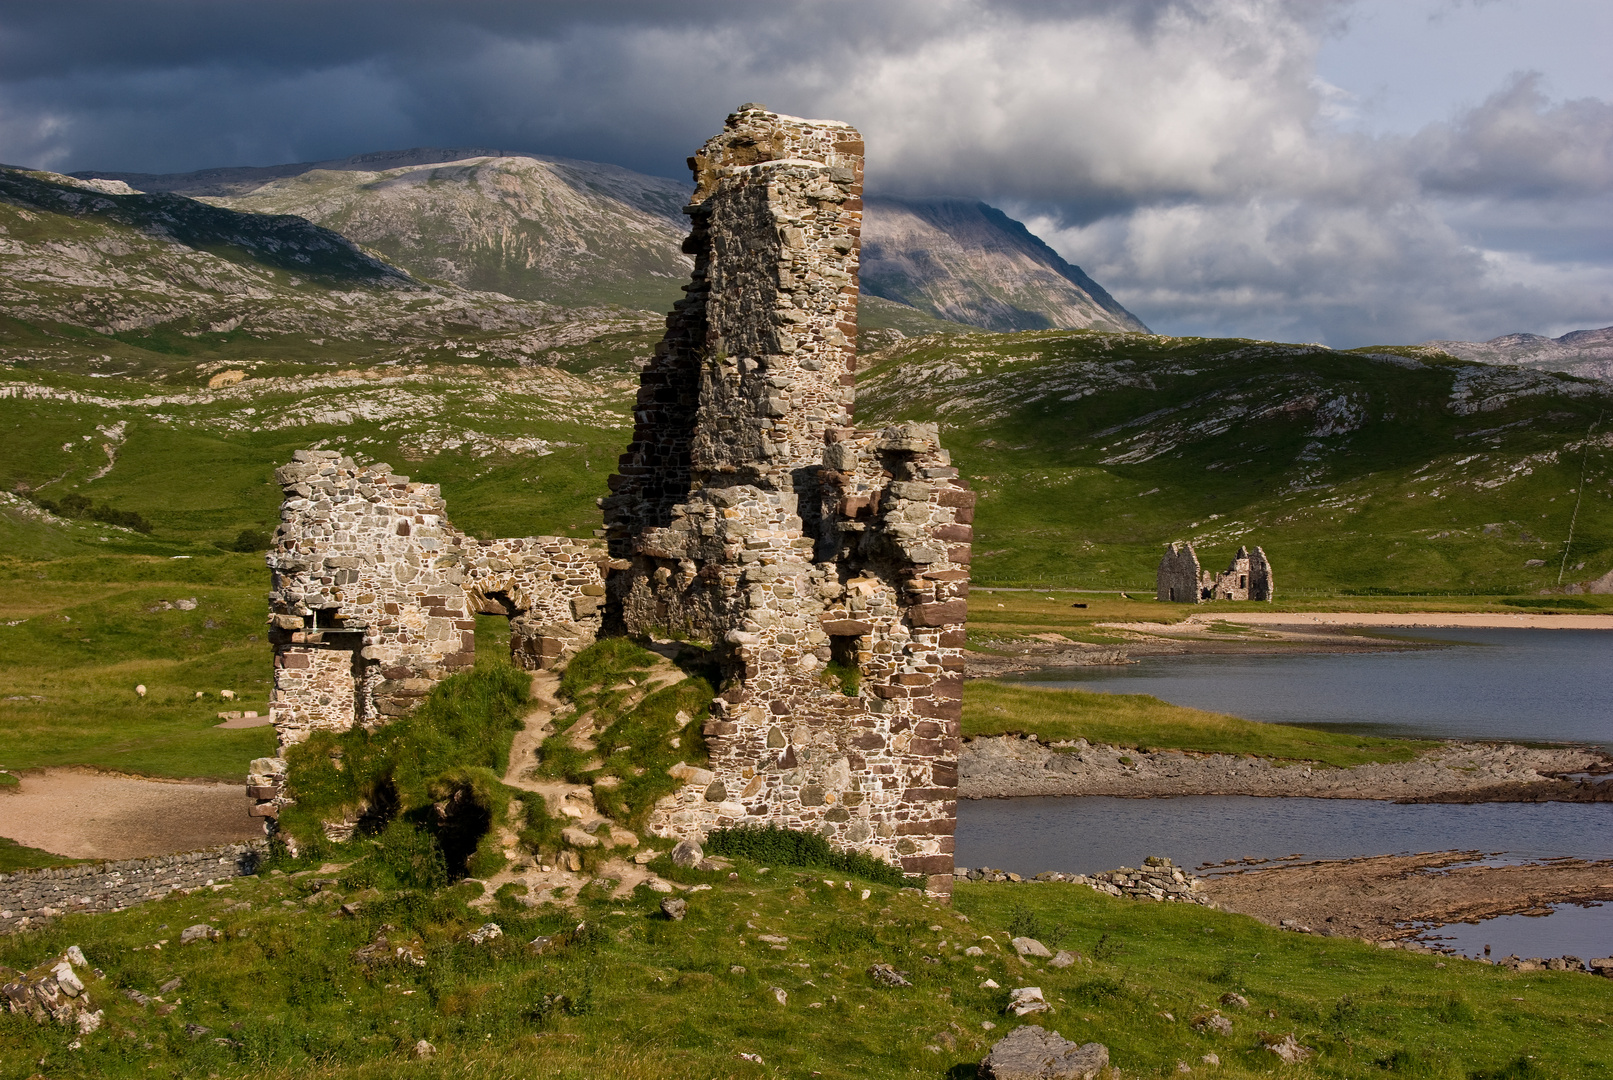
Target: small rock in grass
column 974, row 950
column 1063, row 959
column 1213, row 1024
column 485, row 933
column 199, row 932
column 170, row 986
column 780, row 996
column 674, row 907
column 1026, row 946
column 1287, row 1048
column 422, row 1050
column 659, row 885
column 737, row 969
column 687, row 854
column 1210, row 1059
column 885, row 975
column 1183, row 1067
column 645, row 856
column 1030, row 1053
column 989, row 984
column 1026, row 1000
column 1236, row 1001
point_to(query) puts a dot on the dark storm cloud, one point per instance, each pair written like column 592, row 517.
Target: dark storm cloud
column 1181, row 150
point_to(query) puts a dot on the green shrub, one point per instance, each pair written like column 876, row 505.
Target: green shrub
column 772, row 846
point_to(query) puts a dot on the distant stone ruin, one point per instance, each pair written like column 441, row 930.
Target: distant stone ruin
column 1181, row 581
column 826, row 566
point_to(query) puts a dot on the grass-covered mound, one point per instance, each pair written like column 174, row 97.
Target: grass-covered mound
column 619, row 990
column 770, row 845
column 423, row 793
column 638, row 725
column 1144, row 722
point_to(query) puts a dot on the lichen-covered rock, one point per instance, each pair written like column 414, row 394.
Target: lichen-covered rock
column 1031, row 1053
column 56, row 991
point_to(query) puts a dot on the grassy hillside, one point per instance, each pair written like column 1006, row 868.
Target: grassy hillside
column 1394, row 471
column 619, row 989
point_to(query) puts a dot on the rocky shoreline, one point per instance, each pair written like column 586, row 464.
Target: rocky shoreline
column 1010, row 766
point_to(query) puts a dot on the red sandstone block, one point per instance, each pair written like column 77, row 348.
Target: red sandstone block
column 267, row 809
column 924, row 747
column 868, row 740
column 960, row 554
column 719, row 727
column 292, row 660
column 954, row 639
column 952, row 496
column 946, row 575
column 960, row 533
column 847, row 627
column 952, row 611
column 926, row 729
column 889, row 693
column 928, row 864
column 912, row 678
column 927, row 794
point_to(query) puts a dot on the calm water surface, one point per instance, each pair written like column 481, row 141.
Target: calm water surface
column 1541, row 685
column 1086, row 835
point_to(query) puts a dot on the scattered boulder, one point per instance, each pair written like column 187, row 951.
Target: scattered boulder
column 54, row 992
column 674, row 907
column 485, row 933
column 1211, row 1060
column 1213, row 1024
column 885, row 975
column 1287, row 1047
column 199, row 932
column 1236, row 1001
column 1027, row 1000
column 687, row 854
column 391, row 950
column 423, row 1050
column 781, row 996
column 1030, row 1053
column 1063, row 959
column 577, row 838
column 1027, row 946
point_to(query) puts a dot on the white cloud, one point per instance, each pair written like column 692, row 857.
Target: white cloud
column 1187, row 153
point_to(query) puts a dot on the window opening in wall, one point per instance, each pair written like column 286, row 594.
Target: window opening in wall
column 492, row 638
column 845, row 667
column 1243, row 581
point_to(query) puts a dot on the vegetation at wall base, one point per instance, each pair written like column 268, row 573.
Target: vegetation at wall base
column 769, row 845
column 635, row 727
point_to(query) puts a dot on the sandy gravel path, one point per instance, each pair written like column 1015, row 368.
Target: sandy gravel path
column 1463, row 619
column 91, row 815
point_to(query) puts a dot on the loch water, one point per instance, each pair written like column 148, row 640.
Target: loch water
column 1519, row 685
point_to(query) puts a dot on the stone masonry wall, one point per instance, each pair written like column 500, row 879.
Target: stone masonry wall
column 28, row 897
column 827, row 566
column 1180, row 579
column 374, row 597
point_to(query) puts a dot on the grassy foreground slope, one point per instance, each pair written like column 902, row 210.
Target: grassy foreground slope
column 1393, row 471
column 620, row 990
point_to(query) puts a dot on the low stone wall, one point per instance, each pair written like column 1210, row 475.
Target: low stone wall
column 28, row 897
column 1157, row 879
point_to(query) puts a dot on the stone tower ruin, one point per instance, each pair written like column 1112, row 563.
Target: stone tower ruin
column 826, row 565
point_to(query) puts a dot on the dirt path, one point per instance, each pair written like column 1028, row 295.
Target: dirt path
column 90, row 815
column 1376, row 898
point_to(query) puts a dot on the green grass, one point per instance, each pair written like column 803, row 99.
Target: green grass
column 1146, row 723
column 15, row 856
column 80, row 646
column 622, row 990
column 1092, row 450
column 634, row 732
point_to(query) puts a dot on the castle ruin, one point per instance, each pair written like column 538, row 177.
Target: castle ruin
column 826, row 566
column 1181, row 581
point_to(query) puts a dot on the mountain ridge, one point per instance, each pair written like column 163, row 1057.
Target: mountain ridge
column 1586, row 353
column 539, row 227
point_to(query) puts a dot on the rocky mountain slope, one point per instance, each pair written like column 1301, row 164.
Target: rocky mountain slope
column 1396, row 470
column 576, row 232
column 532, row 227
column 970, row 263
column 1586, row 353
column 96, row 276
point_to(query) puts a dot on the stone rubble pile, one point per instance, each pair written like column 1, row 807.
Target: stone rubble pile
column 1157, row 879
column 55, row 991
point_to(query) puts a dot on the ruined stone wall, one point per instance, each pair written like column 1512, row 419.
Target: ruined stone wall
column 827, row 566
column 374, row 597
column 1178, row 578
